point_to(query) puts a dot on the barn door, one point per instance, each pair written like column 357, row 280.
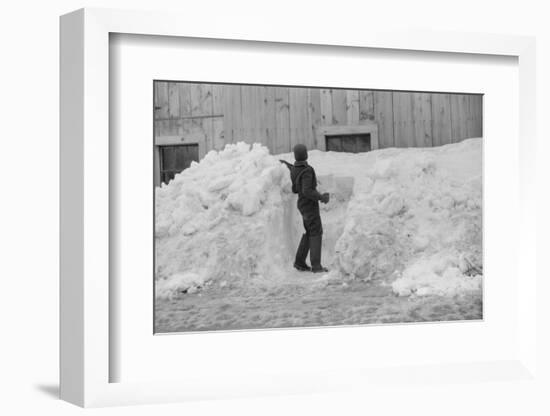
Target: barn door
column 175, row 158
column 351, row 143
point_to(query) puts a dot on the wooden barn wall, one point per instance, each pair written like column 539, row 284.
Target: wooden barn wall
column 279, row 117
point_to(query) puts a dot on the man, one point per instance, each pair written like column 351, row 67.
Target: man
column 304, row 183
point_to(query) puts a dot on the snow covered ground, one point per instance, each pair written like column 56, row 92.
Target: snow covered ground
column 403, row 222
column 301, row 305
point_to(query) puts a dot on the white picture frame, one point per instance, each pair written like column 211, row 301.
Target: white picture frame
column 85, row 263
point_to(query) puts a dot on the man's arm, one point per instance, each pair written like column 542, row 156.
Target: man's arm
column 288, row 165
column 307, row 186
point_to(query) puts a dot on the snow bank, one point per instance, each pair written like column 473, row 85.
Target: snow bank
column 408, row 217
column 414, row 219
column 221, row 220
column 178, row 282
column 438, row 274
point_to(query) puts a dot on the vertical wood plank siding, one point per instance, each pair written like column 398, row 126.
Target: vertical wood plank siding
column 326, row 107
column 422, row 119
column 441, row 119
column 459, row 115
column 299, row 126
column 314, row 114
column 352, row 107
column 218, row 132
column 200, row 124
column 282, row 119
column 339, row 107
column 383, row 115
column 366, row 107
column 161, row 110
column 269, row 117
column 213, row 115
column 403, row 125
column 232, row 113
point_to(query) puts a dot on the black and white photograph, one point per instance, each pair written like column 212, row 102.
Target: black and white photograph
column 294, row 207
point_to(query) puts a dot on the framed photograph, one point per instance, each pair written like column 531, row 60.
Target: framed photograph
column 282, row 212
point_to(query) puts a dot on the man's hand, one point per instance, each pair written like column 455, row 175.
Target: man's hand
column 325, row 198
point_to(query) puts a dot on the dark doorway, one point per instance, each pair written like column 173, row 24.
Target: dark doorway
column 351, row 143
column 175, row 158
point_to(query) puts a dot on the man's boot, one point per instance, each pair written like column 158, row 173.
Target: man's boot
column 301, row 255
column 315, row 243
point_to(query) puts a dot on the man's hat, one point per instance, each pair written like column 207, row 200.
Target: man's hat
column 300, row 152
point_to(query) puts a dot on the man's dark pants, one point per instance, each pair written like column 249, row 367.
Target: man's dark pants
column 311, row 240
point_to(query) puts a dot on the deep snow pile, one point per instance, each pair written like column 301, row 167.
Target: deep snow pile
column 407, row 217
column 414, row 219
column 220, row 220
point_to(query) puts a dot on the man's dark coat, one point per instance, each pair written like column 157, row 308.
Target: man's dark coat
column 304, row 183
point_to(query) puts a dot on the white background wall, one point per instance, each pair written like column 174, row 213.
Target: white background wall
column 29, row 207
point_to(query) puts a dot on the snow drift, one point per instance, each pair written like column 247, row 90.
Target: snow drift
column 415, row 218
column 221, row 220
column 406, row 217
